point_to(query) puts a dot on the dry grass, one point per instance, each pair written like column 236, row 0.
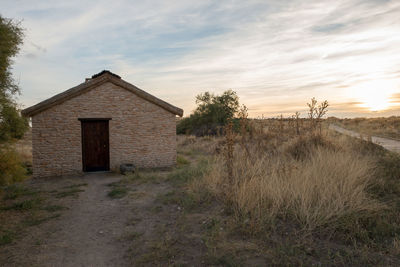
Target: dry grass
column 295, row 199
column 383, row 127
column 316, row 192
column 15, row 160
column 313, row 180
column 301, row 199
column 24, row 147
column 193, row 146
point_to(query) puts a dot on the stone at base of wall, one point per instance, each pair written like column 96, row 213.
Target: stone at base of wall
column 112, row 170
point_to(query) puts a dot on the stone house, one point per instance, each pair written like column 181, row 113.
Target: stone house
column 100, row 124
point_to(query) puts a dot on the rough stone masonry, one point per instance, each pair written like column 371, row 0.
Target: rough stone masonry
column 141, row 131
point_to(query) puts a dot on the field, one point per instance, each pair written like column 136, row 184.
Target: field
column 382, row 127
column 273, row 194
column 311, row 199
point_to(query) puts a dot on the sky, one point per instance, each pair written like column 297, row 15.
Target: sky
column 276, row 55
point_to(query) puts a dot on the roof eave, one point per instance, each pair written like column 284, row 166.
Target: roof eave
column 62, row 97
column 81, row 88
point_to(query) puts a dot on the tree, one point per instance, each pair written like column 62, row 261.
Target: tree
column 211, row 114
column 12, row 125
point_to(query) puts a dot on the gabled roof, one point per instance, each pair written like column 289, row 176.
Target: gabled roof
column 96, row 80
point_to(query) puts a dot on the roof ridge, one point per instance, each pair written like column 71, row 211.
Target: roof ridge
column 100, row 78
column 104, row 72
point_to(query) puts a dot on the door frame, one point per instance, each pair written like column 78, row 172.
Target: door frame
column 83, row 120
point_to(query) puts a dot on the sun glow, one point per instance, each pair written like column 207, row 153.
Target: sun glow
column 375, row 95
column 375, row 100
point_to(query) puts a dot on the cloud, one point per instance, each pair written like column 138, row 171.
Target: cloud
column 395, row 99
column 30, row 55
column 275, row 54
column 39, row 48
column 328, row 28
column 354, row 53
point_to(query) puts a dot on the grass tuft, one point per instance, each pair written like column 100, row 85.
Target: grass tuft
column 133, row 235
column 24, row 205
column 54, row 208
column 118, row 192
column 75, row 186
column 160, row 251
column 181, row 161
column 185, row 174
column 15, row 191
column 72, row 192
column 6, row 238
column 36, row 220
column 179, row 197
column 143, row 176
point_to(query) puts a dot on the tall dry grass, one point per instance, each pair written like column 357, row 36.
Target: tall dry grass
column 189, row 145
column 327, row 183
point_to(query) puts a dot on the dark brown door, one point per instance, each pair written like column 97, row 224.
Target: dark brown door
column 95, row 145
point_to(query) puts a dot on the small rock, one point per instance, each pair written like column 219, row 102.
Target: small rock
column 101, row 232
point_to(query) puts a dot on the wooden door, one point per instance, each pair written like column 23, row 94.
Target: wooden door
column 95, row 145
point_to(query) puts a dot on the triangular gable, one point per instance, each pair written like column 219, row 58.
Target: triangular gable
column 98, row 79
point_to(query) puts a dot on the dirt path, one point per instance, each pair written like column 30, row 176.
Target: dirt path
column 88, row 233
column 389, row 144
column 144, row 227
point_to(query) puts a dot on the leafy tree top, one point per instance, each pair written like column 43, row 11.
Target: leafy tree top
column 12, row 125
column 11, row 37
column 218, row 108
column 212, row 112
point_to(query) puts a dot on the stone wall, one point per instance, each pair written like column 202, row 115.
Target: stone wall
column 140, row 132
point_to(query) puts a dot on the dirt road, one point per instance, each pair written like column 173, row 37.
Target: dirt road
column 389, row 144
column 97, row 230
column 89, row 232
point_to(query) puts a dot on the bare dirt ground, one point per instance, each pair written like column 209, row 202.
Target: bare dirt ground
column 97, row 230
column 389, row 144
column 89, row 233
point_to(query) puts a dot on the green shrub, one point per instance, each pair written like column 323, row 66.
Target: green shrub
column 12, row 124
column 11, row 168
column 211, row 114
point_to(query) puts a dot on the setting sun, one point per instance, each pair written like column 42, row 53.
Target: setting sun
column 375, row 101
column 375, row 95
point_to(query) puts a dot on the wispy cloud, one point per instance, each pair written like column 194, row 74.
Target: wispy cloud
column 275, row 54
